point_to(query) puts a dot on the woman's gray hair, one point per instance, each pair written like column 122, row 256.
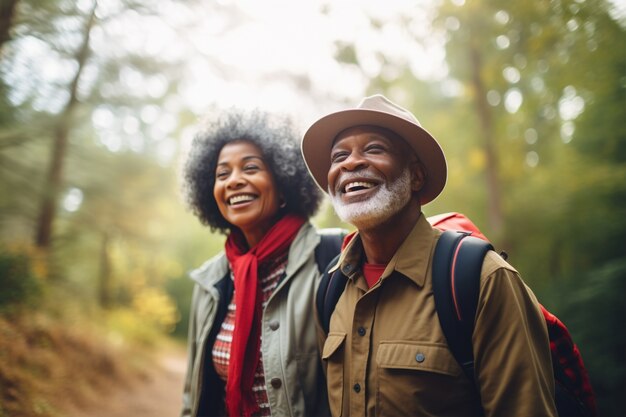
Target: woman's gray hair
column 279, row 142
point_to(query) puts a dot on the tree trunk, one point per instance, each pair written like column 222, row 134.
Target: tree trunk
column 7, row 13
column 495, row 217
column 105, row 287
column 54, row 179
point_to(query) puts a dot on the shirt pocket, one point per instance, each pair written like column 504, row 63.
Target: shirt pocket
column 332, row 355
column 413, row 377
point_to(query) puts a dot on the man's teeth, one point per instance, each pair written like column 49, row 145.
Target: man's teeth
column 240, row 199
column 357, row 185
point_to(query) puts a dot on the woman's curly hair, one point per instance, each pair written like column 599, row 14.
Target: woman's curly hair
column 278, row 141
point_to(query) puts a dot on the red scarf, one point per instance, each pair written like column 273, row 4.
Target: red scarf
column 246, row 345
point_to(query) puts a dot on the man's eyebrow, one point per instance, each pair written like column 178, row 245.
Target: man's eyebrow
column 378, row 136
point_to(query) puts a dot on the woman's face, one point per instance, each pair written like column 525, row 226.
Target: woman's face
column 245, row 190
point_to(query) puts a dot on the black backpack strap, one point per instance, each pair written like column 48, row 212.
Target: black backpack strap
column 330, row 289
column 457, row 264
column 327, row 249
column 326, row 256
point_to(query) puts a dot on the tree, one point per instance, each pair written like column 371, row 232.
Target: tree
column 562, row 157
column 7, row 14
column 54, row 178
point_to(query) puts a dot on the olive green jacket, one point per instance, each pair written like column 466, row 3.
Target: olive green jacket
column 291, row 359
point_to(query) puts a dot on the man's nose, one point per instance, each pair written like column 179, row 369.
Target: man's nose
column 353, row 162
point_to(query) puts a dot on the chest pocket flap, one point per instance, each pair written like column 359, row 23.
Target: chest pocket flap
column 333, row 342
column 418, row 356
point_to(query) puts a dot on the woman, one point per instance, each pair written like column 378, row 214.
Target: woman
column 252, row 341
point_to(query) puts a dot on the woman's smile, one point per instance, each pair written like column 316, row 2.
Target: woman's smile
column 245, row 190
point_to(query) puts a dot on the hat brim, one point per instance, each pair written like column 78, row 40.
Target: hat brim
column 318, row 140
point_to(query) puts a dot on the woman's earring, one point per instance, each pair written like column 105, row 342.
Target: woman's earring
column 283, row 204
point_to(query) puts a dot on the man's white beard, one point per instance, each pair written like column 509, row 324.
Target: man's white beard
column 388, row 200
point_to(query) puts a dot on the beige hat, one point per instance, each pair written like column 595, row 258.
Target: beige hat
column 378, row 111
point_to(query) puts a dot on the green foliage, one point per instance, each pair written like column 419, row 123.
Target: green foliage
column 127, row 232
column 592, row 307
column 20, row 285
column 127, row 245
column 125, row 326
column 561, row 175
column 180, row 289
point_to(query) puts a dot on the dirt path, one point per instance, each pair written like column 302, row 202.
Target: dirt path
column 156, row 395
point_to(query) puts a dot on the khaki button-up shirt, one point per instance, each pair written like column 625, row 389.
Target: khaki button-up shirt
column 386, row 355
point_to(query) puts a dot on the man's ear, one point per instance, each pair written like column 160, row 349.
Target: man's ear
column 418, row 176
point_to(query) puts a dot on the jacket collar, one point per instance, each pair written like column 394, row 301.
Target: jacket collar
column 210, row 272
column 412, row 259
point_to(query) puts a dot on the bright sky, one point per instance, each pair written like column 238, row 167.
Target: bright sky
column 248, row 53
column 265, row 54
column 275, row 54
column 278, row 42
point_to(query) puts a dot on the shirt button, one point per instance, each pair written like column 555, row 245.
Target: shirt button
column 357, row 388
column 420, row 357
column 361, row 331
column 274, row 325
column 276, row 383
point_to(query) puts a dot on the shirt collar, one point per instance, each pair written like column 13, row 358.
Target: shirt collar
column 350, row 258
column 411, row 259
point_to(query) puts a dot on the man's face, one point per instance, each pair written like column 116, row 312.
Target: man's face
column 370, row 177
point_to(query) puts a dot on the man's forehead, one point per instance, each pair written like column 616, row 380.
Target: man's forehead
column 372, row 133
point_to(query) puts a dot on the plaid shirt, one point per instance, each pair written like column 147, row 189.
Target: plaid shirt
column 269, row 276
column 567, row 358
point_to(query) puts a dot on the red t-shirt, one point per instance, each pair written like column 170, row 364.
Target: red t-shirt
column 372, row 273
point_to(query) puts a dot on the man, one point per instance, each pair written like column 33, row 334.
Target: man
column 385, row 353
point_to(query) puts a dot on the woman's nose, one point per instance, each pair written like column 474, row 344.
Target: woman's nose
column 235, row 180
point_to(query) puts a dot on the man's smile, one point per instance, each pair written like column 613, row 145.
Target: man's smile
column 357, row 186
column 351, row 184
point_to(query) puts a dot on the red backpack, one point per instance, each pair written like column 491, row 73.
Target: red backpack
column 456, row 297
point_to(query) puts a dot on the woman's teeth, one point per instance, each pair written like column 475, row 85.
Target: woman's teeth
column 240, row 199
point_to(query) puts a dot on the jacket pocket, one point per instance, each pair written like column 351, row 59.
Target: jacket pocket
column 417, row 356
column 413, row 377
column 332, row 355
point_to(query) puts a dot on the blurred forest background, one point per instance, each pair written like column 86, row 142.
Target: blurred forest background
column 99, row 99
